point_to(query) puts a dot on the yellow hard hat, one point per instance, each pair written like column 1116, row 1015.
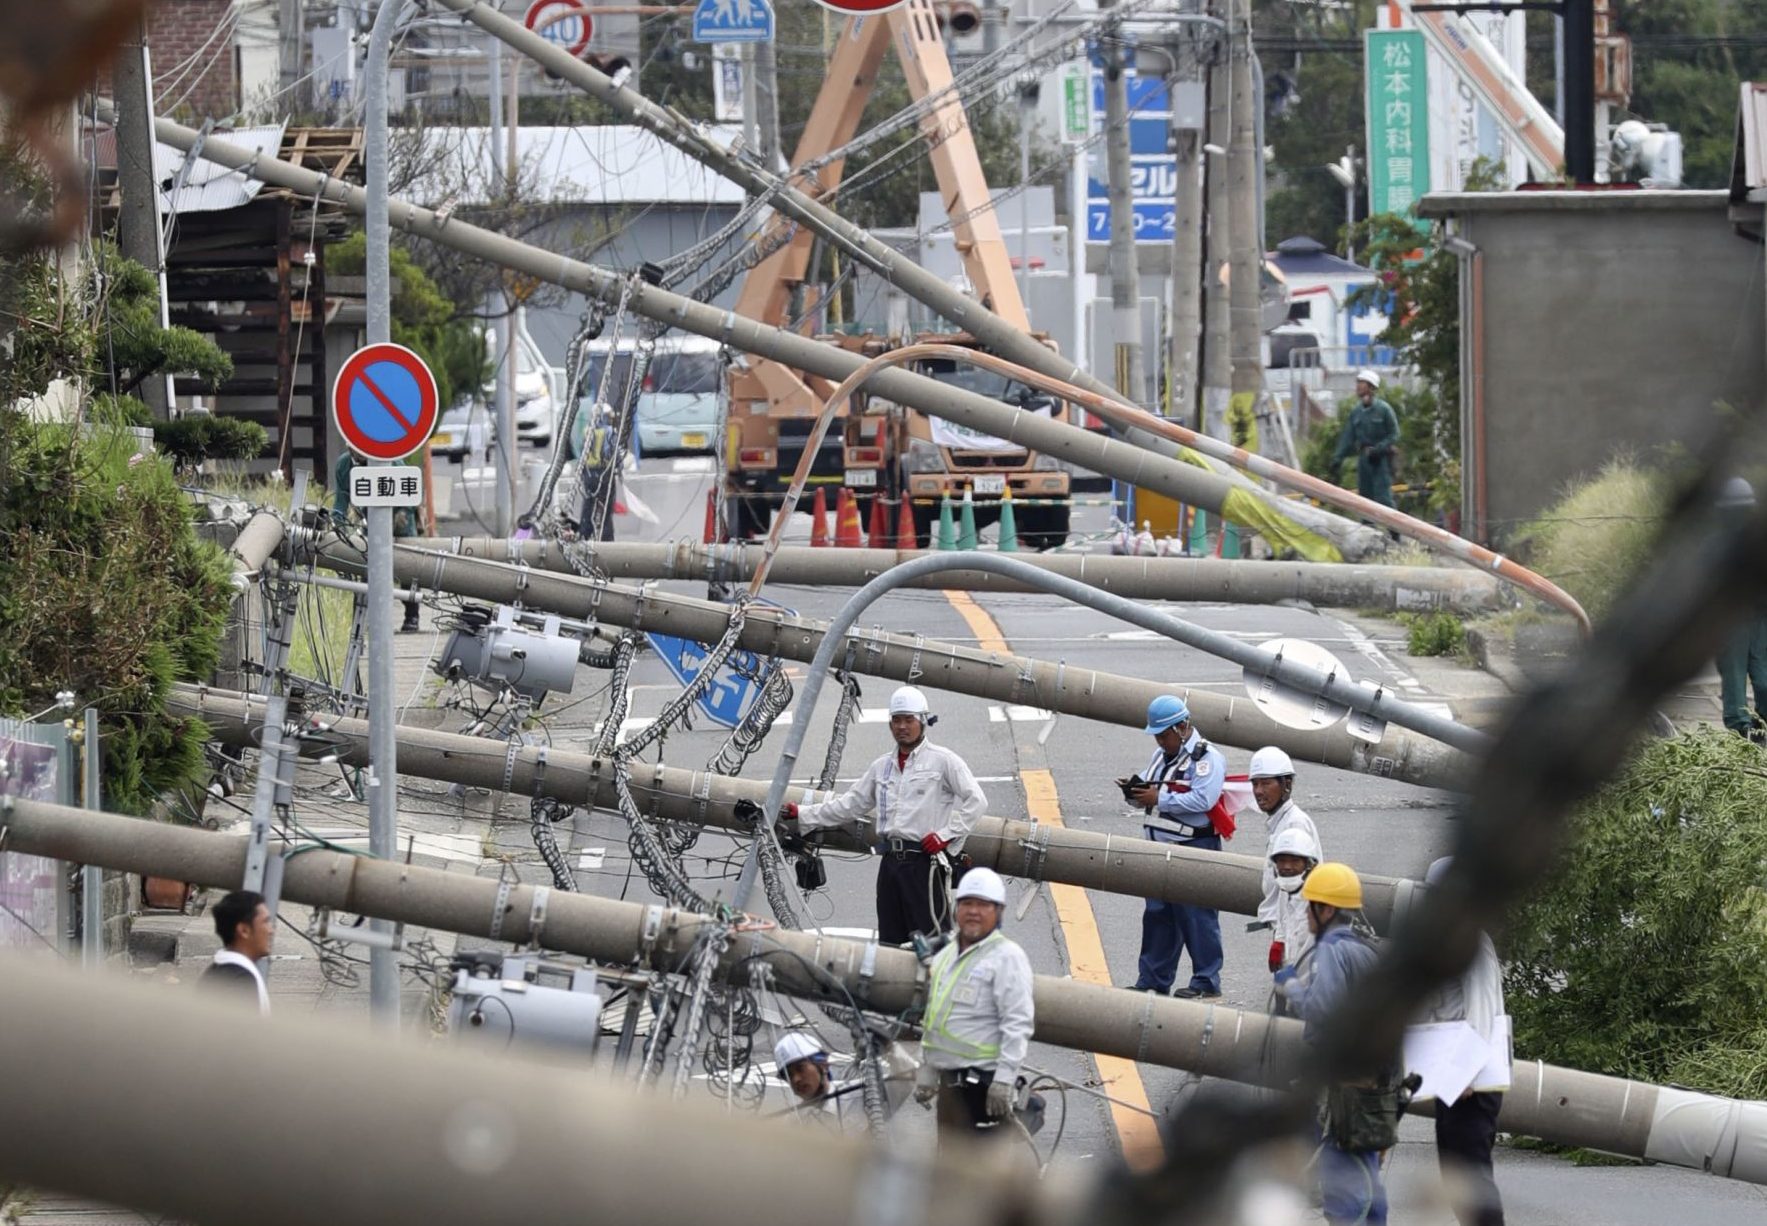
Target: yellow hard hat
column 1333, row 885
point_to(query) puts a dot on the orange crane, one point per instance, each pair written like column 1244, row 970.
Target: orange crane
column 884, row 450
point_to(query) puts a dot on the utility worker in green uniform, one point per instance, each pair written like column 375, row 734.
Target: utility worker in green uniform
column 404, row 523
column 1744, row 660
column 1370, row 435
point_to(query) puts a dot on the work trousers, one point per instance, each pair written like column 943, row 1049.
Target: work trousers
column 1350, row 1189
column 1168, row 929
column 1465, row 1133
column 1744, row 662
column 910, row 896
column 963, row 1105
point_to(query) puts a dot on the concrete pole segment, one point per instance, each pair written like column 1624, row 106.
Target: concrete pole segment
column 1007, row 678
column 1121, row 864
column 1247, row 260
column 1125, row 263
column 1723, row 1136
column 1322, row 584
column 372, row 1135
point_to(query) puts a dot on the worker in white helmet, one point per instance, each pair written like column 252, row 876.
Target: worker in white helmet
column 1294, row 853
column 976, row 1029
column 1272, row 775
column 924, row 800
column 801, row 1060
column 1370, row 435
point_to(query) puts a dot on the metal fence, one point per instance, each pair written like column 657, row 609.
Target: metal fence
column 36, row 763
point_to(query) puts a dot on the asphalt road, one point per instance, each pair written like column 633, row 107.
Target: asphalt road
column 1033, row 765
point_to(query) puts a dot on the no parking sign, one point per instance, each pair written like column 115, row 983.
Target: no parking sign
column 384, row 400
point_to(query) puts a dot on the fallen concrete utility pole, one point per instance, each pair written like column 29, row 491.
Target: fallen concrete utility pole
column 1120, row 864
column 1333, row 585
column 369, row 1133
column 1188, row 483
column 1659, row 1124
column 1006, row 678
column 994, row 333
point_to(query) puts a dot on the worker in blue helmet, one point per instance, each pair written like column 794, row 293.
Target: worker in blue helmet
column 1180, row 794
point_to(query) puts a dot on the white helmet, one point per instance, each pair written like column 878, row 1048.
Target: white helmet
column 983, row 883
column 1372, row 378
column 909, row 701
column 1737, row 492
column 1294, row 841
column 1270, row 763
column 793, row 1046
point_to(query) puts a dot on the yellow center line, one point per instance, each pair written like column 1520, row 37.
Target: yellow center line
column 987, row 632
column 1137, row 1133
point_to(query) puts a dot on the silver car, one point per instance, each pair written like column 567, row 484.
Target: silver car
column 679, row 404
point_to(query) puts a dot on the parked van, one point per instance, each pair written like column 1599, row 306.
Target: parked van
column 679, row 405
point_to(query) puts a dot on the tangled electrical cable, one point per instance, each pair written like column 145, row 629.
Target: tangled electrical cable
column 544, row 813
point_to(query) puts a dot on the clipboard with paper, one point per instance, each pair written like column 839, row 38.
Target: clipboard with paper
column 1452, row 1057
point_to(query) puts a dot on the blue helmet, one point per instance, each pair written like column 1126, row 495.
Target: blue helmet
column 1165, row 711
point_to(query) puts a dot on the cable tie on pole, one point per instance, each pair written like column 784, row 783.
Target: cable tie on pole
column 499, row 907
column 914, row 671
column 509, row 763
column 537, row 914
column 867, row 972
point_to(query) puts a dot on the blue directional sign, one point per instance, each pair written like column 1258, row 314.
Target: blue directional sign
column 732, row 692
column 1153, row 171
column 733, row 21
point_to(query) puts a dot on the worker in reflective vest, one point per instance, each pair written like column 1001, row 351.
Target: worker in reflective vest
column 979, row 1015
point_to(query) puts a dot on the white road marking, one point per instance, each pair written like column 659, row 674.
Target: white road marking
column 867, row 715
column 692, row 464
column 591, row 859
column 1018, row 714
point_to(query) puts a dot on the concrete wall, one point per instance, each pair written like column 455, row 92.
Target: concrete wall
column 1612, row 322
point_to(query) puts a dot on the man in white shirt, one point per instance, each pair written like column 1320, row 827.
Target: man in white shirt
column 247, row 930
column 802, row 1062
column 976, row 1029
column 924, row 799
column 1293, row 854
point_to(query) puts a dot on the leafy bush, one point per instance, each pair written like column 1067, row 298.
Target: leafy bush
column 106, row 590
column 1434, row 634
column 204, row 436
column 1597, row 537
column 1643, row 957
column 424, row 320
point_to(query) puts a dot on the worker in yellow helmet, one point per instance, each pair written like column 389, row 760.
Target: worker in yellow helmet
column 1359, row 1119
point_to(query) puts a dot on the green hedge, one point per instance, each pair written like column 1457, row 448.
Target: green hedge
column 106, row 590
column 1646, row 956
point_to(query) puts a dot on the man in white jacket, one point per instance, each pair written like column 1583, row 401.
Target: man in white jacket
column 1293, row 854
column 1466, row 1129
column 925, row 799
column 976, row 1029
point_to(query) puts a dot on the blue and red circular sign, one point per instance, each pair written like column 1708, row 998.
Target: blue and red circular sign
column 384, row 400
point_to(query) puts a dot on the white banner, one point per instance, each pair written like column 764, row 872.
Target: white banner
column 950, row 434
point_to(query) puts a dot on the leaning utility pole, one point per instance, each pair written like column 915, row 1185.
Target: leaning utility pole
column 138, row 222
column 291, row 35
column 1217, row 359
column 906, row 658
column 1125, row 265
column 1121, row 864
column 1725, row 1137
column 1143, row 460
column 503, row 450
column 766, row 75
column 1187, row 244
column 1244, row 225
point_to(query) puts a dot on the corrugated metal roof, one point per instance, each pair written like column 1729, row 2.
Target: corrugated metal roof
column 208, row 187
column 1748, row 170
column 611, row 164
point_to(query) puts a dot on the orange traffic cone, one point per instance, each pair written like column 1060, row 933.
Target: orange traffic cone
column 819, row 519
column 878, row 536
column 712, row 517
column 906, row 537
column 848, row 533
